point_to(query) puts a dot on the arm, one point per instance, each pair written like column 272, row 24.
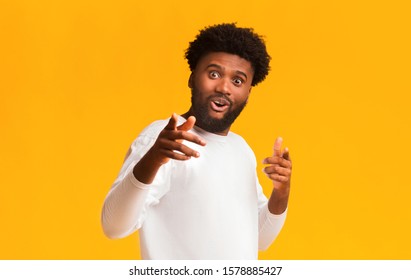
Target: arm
column 125, row 204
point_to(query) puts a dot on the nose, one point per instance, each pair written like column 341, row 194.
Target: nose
column 223, row 86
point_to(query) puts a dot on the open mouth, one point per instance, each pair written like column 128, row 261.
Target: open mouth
column 219, row 104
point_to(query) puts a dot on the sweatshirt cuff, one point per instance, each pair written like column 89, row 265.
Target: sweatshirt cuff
column 274, row 217
column 136, row 183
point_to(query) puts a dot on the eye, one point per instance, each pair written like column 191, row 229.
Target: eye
column 214, row 74
column 238, row 81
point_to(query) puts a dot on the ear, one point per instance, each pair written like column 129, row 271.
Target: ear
column 190, row 81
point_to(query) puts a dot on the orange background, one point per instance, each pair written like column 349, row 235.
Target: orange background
column 80, row 79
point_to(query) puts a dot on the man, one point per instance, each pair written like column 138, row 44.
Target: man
column 189, row 184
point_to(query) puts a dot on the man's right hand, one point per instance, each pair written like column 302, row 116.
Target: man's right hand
column 168, row 146
column 169, row 143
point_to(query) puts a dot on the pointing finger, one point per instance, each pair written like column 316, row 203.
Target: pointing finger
column 172, row 123
column 277, row 146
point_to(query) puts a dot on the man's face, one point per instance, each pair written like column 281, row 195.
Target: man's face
column 220, row 85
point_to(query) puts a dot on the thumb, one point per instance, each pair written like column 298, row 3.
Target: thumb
column 172, row 123
column 188, row 124
column 286, row 154
column 277, row 146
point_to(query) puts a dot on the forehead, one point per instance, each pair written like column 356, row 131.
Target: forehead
column 227, row 61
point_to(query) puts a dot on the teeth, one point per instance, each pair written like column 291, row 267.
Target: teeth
column 219, row 104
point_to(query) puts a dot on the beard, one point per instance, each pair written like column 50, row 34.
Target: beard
column 205, row 121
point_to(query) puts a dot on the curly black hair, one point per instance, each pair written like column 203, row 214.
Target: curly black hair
column 229, row 38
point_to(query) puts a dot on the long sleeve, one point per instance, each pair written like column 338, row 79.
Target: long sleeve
column 269, row 225
column 127, row 202
column 123, row 207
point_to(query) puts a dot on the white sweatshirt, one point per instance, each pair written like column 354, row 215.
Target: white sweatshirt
column 211, row 207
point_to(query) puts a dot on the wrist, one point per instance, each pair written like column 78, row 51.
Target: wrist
column 146, row 169
column 278, row 201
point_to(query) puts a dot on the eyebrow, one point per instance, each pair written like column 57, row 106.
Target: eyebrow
column 222, row 68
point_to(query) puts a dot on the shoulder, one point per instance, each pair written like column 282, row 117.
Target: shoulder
column 153, row 129
column 150, row 133
column 240, row 142
column 237, row 139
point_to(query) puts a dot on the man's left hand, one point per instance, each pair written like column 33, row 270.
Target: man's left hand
column 279, row 171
